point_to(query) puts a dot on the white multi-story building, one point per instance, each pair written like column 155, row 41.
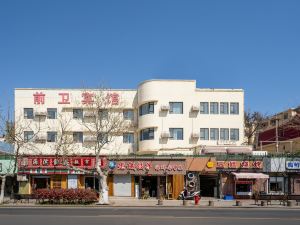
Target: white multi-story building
column 166, row 117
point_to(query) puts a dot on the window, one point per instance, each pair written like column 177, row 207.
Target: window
column 176, row 107
column 28, row 113
column 234, row 134
column 285, row 116
column 176, row 133
column 51, row 113
column 128, row 138
column 224, row 108
column 234, row 108
column 147, row 134
column 56, row 182
column 28, row 136
column 203, row 107
column 224, row 134
column 103, row 114
column 204, row 134
column 214, row 133
column 103, row 138
column 77, row 113
column 214, row 108
column 128, row 114
column 51, row 136
column 276, row 184
column 78, row 137
column 147, row 108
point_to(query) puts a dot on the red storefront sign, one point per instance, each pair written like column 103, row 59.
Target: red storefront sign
column 50, row 162
column 87, row 98
column 154, row 167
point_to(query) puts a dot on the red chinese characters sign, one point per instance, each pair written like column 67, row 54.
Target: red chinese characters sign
column 87, row 98
column 85, row 162
column 39, row 98
column 148, row 167
column 64, row 98
column 239, row 164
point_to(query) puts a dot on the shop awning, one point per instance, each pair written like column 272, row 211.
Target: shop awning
column 242, row 150
column 250, row 175
column 208, row 150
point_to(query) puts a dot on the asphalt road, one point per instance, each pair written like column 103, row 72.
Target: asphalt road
column 147, row 216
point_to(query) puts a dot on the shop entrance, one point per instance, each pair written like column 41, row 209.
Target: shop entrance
column 149, row 186
column 41, row 182
column 208, row 186
column 91, row 182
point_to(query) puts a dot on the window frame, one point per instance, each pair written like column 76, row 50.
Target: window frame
column 206, row 131
column 171, row 108
column 81, row 114
column 232, row 111
column 125, row 114
column 53, row 110
column 205, row 106
column 147, row 108
column 236, row 134
column 127, row 139
column 173, row 130
column 221, row 133
column 55, row 136
column 222, row 111
column 210, row 108
column 150, row 130
column 80, row 139
column 103, row 114
column 26, row 114
column 212, row 137
column 26, row 132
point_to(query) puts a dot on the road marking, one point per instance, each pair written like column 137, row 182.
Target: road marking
column 161, row 217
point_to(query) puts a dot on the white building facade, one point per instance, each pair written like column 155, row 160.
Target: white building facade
column 165, row 117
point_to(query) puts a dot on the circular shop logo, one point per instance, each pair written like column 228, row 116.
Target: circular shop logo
column 112, row 165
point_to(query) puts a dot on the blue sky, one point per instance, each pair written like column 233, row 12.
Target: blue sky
column 254, row 45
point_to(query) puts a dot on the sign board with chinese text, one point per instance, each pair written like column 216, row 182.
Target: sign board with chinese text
column 233, row 165
column 293, row 165
column 149, row 167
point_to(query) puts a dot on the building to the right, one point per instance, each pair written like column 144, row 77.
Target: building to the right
column 280, row 133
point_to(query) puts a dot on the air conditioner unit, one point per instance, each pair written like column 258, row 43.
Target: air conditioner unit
column 165, row 134
column 22, row 178
column 194, row 108
column 40, row 139
column 164, row 107
column 90, row 139
column 88, row 114
column 40, row 113
column 195, row 135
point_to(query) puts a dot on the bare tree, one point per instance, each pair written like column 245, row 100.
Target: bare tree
column 15, row 134
column 103, row 121
column 253, row 121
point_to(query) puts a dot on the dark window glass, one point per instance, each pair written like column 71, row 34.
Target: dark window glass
column 28, row 113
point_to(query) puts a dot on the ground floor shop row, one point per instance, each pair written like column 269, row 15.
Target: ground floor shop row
column 155, row 177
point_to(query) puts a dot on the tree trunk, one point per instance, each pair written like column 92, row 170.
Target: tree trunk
column 3, row 178
column 103, row 188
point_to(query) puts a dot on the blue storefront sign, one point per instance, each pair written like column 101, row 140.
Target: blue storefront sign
column 293, row 165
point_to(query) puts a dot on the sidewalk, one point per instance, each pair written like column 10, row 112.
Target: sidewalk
column 133, row 202
column 204, row 202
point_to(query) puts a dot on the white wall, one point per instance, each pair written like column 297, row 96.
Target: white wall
column 159, row 91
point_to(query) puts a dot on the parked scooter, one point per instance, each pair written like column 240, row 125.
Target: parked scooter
column 188, row 195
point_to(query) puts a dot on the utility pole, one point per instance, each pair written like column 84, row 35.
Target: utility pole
column 277, row 145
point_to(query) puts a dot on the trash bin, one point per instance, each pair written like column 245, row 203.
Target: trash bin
column 197, row 199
